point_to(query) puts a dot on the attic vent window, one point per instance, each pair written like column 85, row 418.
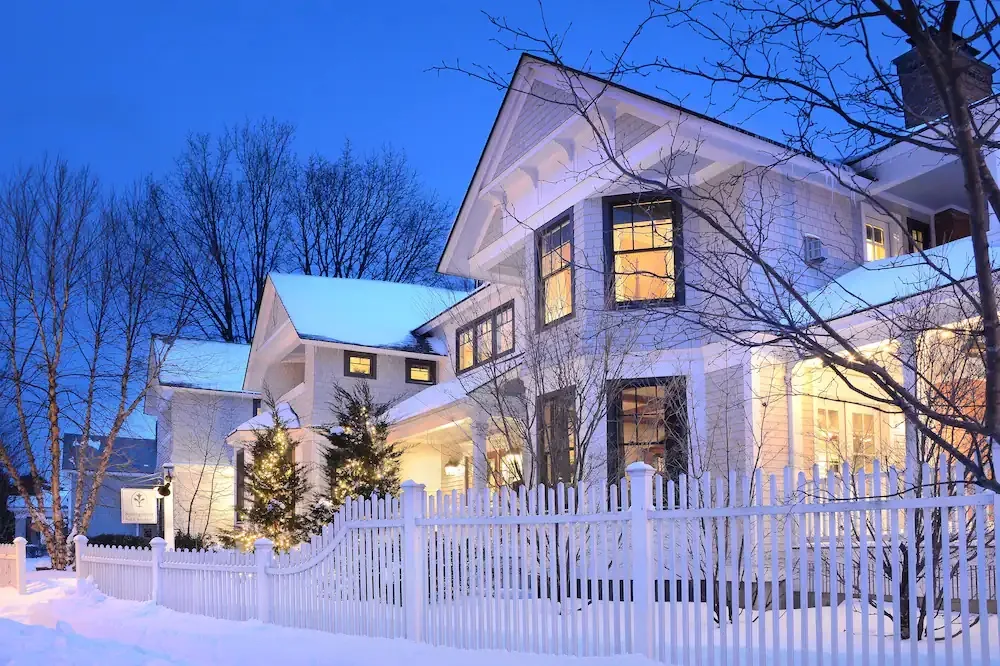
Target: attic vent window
column 814, row 252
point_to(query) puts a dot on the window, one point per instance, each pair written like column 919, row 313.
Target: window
column 555, row 271
column 359, row 364
column 420, row 372
column 868, row 435
column 241, row 486
column 488, row 337
column 874, row 243
column 920, row 234
column 647, row 422
column 642, row 251
column 256, row 407
column 557, row 436
column 503, row 468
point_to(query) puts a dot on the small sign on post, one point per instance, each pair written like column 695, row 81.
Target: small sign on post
column 139, row 506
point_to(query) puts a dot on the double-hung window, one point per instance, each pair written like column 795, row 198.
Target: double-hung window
column 642, row 246
column 485, row 339
column 555, row 271
column 360, row 364
column 874, row 242
column 647, row 422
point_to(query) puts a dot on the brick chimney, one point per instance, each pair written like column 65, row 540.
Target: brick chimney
column 919, row 94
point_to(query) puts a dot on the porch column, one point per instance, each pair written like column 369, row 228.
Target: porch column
column 480, row 447
column 993, row 164
column 908, row 360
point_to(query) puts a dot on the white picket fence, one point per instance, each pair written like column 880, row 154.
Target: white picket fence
column 736, row 570
column 13, row 565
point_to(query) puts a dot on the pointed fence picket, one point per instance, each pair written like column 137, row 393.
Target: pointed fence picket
column 742, row 570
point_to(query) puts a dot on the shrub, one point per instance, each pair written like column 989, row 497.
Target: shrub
column 126, row 540
column 192, row 541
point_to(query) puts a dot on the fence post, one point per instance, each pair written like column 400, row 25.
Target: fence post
column 20, row 549
column 158, row 545
column 414, row 560
column 81, row 545
column 264, row 552
column 641, row 501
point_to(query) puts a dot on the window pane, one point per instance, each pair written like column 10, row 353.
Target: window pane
column 505, row 330
column 874, row 243
column 652, row 427
column 420, row 373
column 465, row 350
column 557, row 296
column 360, row 365
column 558, row 452
column 484, row 340
column 638, row 275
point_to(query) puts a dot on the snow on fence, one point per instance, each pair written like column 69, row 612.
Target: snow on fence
column 841, row 568
column 13, row 565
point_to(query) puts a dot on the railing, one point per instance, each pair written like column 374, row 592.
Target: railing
column 13, row 565
column 742, row 569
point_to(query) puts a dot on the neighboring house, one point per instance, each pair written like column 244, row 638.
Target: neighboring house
column 314, row 333
column 567, row 251
column 197, row 398
column 132, row 465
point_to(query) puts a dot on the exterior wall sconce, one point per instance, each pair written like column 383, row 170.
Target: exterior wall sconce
column 454, row 468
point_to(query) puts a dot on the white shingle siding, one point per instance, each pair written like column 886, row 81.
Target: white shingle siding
column 544, row 109
column 630, row 130
column 726, row 420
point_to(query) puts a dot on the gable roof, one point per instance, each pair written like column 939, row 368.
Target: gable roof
column 367, row 313
column 527, row 59
column 201, row 364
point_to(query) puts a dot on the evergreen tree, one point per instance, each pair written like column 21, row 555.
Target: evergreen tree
column 277, row 486
column 358, row 459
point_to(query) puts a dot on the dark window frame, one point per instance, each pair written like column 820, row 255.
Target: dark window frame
column 568, row 396
column 918, row 225
column 614, row 417
column 473, row 326
column 609, row 204
column 347, row 364
column 414, row 362
column 565, row 217
column 256, row 407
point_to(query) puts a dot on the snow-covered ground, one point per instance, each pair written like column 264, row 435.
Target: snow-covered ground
column 54, row 625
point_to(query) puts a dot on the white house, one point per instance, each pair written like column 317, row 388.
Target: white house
column 575, row 266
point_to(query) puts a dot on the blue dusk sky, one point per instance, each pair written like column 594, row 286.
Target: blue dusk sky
column 118, row 85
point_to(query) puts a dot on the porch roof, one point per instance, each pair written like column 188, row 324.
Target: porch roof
column 428, row 400
column 893, row 279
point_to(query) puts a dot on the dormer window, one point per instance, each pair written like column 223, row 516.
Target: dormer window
column 874, row 242
column 359, row 364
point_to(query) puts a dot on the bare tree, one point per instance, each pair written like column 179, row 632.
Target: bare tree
column 366, row 217
column 82, row 287
column 225, row 216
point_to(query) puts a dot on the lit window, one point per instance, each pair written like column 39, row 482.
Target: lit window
column 484, row 340
column 650, row 425
column 505, row 330
column 490, row 336
column 465, row 358
column 556, row 272
column 504, row 469
column 420, row 372
column 874, row 243
column 359, row 364
column 642, row 246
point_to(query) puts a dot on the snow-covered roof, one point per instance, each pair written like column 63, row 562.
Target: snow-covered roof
column 879, row 283
column 427, row 400
column 202, row 364
column 367, row 313
column 265, row 420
